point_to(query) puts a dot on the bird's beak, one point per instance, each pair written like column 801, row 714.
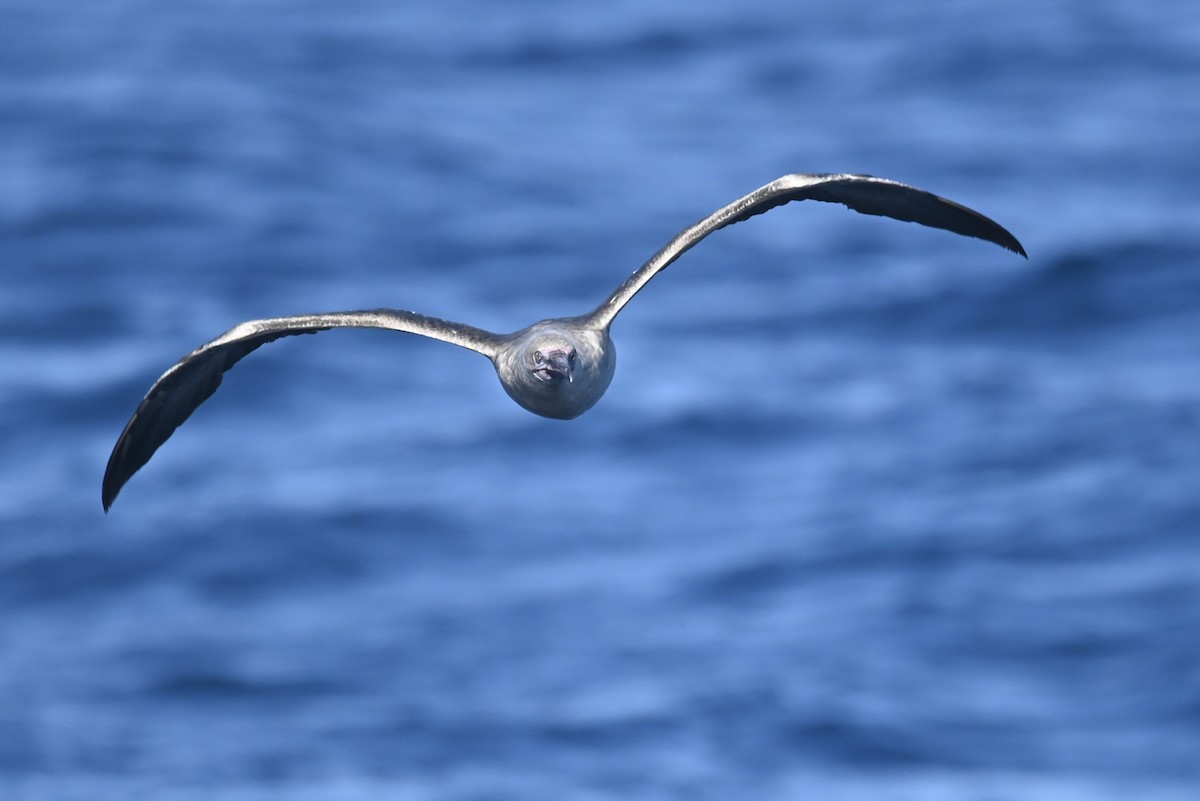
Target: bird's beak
column 556, row 364
column 560, row 364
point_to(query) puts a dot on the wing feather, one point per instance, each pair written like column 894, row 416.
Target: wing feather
column 195, row 377
column 862, row 193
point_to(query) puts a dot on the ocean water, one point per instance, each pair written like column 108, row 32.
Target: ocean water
column 869, row 512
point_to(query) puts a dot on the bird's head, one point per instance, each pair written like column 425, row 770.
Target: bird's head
column 552, row 361
column 556, row 368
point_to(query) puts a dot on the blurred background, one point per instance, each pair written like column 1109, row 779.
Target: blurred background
column 870, row 511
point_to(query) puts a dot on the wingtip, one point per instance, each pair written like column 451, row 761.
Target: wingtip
column 108, row 493
column 1016, row 247
column 1004, row 238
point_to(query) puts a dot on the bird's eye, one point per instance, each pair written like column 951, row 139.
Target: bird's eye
column 537, row 355
column 571, row 356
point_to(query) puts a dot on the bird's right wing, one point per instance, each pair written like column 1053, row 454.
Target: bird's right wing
column 196, row 376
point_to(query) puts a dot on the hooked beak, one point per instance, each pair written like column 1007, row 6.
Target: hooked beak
column 560, row 364
column 557, row 364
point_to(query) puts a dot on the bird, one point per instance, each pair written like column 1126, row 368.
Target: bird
column 557, row 368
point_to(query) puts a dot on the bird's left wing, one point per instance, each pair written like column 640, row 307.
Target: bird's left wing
column 865, row 194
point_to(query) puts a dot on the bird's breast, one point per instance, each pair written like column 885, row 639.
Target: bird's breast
column 560, row 399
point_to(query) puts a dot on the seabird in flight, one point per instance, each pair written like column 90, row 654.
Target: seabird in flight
column 556, row 368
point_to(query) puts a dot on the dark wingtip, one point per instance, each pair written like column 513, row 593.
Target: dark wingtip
column 988, row 229
column 113, row 480
column 1009, row 242
column 1015, row 247
column 108, row 494
column 980, row 227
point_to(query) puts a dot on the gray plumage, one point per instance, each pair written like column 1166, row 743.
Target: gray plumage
column 555, row 368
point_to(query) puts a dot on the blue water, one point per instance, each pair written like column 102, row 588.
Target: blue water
column 869, row 512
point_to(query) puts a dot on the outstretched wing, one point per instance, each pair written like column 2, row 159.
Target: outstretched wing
column 196, row 376
column 862, row 193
